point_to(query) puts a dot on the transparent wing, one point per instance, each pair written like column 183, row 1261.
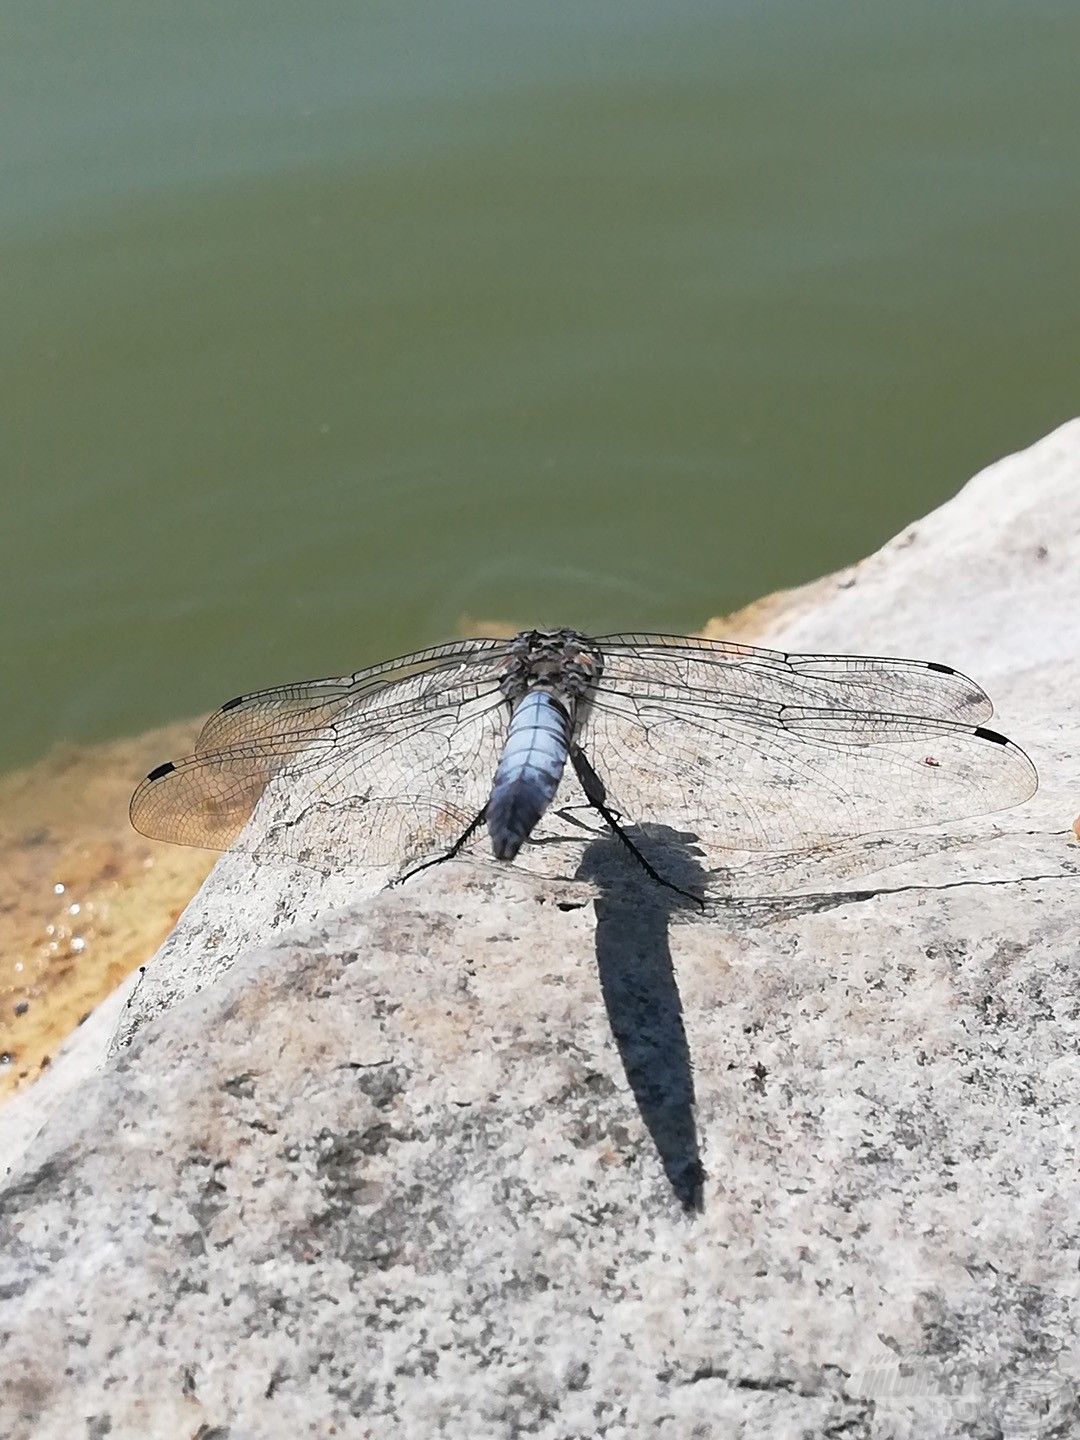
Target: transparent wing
column 731, row 672
column 750, row 748
column 311, row 705
column 376, row 777
column 754, row 775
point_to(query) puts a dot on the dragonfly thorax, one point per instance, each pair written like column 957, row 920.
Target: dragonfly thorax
column 562, row 662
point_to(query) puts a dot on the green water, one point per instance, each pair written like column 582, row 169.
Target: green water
column 328, row 329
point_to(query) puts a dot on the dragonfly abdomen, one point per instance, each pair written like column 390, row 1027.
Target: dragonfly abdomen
column 528, row 773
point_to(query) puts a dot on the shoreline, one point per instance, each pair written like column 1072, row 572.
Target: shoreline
column 86, row 898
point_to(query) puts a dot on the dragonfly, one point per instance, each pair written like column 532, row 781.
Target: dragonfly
column 401, row 764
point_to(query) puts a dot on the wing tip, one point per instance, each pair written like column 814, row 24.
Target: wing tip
column 1028, row 767
column 985, row 733
column 139, row 799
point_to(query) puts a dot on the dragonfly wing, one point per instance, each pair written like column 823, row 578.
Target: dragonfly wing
column 311, row 705
column 847, row 682
column 754, row 775
column 385, row 781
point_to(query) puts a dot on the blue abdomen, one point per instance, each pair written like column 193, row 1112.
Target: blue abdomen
column 528, row 773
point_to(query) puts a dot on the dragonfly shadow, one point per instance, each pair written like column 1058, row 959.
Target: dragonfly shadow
column 637, row 981
column 773, row 888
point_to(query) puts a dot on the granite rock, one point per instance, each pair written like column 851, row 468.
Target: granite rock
column 491, row 1156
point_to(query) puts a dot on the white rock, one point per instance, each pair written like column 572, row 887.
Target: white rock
column 412, row 1166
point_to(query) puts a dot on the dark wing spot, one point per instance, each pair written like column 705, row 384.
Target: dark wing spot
column 161, row 770
column 941, row 669
column 985, row 734
column 232, row 704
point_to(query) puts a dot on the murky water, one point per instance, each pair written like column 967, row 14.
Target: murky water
column 331, row 330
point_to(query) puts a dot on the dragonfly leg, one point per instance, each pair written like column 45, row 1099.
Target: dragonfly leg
column 596, row 794
column 465, row 835
column 572, row 815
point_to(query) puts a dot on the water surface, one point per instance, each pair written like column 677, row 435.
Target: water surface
column 330, row 330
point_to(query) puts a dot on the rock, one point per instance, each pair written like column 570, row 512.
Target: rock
column 489, row 1156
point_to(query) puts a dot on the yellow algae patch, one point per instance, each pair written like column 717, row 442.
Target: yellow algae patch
column 85, row 899
column 468, row 627
column 757, row 619
column 745, row 625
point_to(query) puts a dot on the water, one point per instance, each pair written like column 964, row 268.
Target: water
column 330, row 331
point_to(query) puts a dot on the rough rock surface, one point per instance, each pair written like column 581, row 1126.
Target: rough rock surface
column 485, row 1156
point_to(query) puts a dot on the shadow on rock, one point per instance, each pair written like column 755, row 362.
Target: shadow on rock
column 773, row 887
column 637, row 980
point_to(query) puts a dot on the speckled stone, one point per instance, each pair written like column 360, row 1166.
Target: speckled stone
column 487, row 1156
